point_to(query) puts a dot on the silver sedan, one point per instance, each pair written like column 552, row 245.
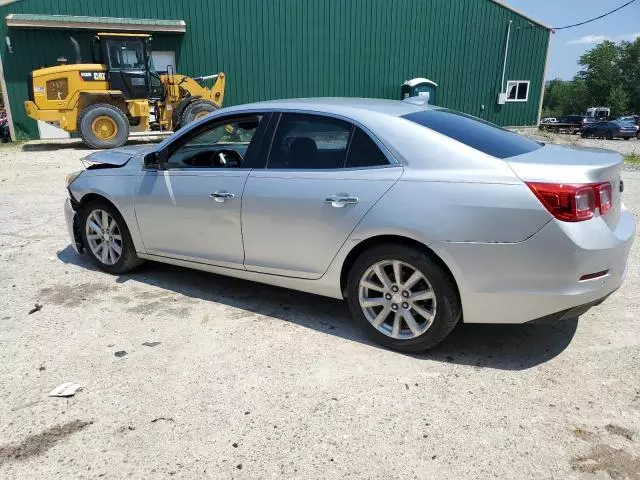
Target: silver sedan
column 420, row 217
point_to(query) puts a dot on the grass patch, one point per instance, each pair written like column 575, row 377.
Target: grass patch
column 632, row 158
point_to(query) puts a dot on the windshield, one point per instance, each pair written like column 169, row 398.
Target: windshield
column 474, row 132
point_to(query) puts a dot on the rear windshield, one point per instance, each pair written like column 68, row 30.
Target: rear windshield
column 476, row 133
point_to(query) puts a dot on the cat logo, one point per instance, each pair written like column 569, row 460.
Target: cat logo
column 94, row 76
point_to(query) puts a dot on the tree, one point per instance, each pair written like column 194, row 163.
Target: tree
column 601, row 70
column 630, row 69
column 618, row 101
column 610, row 76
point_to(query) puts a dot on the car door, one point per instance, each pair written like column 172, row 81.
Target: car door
column 189, row 207
column 322, row 176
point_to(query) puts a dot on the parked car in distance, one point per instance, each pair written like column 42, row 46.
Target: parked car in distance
column 419, row 216
column 610, row 130
column 549, row 120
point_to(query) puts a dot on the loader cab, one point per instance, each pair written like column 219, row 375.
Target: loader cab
column 129, row 67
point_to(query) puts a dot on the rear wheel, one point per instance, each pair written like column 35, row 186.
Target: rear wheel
column 402, row 298
column 106, row 238
column 196, row 110
column 609, row 136
column 103, row 126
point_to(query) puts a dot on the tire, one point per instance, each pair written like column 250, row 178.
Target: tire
column 609, row 136
column 436, row 281
column 105, row 118
column 583, row 135
column 626, row 138
column 195, row 110
column 128, row 259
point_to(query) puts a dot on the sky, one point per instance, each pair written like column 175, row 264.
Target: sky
column 567, row 45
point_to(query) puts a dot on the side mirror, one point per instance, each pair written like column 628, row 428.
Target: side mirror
column 155, row 159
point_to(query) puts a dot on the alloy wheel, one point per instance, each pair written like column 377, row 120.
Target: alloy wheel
column 397, row 299
column 104, row 237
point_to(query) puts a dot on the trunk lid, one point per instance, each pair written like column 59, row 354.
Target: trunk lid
column 573, row 165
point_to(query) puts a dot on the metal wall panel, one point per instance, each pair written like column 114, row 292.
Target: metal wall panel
column 301, row 48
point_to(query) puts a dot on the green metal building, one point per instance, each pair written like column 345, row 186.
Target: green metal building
column 487, row 59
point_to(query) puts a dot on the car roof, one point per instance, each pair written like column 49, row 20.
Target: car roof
column 342, row 105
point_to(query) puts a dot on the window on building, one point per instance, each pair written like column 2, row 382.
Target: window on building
column 517, row 90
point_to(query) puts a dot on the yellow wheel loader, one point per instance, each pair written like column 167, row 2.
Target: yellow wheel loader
column 120, row 92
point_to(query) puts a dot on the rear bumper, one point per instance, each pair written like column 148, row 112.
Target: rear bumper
column 540, row 277
column 626, row 134
column 574, row 312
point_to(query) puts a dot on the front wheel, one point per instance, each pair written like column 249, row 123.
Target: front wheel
column 402, row 298
column 106, row 238
column 196, row 110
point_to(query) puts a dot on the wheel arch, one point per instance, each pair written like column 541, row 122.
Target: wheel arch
column 387, row 239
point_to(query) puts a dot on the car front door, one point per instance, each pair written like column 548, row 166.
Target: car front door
column 322, row 176
column 189, row 207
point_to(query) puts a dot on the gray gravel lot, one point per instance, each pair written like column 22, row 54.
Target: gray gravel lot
column 250, row 381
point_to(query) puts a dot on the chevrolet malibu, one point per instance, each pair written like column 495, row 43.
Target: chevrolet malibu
column 420, row 217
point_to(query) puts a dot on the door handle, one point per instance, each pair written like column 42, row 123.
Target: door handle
column 221, row 196
column 340, row 201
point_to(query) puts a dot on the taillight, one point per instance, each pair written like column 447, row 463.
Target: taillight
column 573, row 202
column 603, row 196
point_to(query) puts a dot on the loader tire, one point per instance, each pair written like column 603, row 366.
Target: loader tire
column 103, row 126
column 196, row 110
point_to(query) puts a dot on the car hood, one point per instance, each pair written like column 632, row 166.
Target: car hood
column 118, row 156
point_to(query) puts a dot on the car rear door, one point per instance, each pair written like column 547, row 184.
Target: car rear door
column 322, row 175
column 190, row 207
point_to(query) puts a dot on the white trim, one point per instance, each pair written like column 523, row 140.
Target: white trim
column 544, row 79
column 7, row 102
column 523, row 15
column 517, row 82
column 54, row 22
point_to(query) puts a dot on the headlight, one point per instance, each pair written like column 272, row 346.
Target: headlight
column 72, row 176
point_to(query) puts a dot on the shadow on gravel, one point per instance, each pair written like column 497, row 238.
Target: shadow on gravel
column 504, row 347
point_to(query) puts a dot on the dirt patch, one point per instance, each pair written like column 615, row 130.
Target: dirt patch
column 38, row 444
column 618, row 463
column 161, row 307
column 620, row 431
column 584, row 434
column 73, row 295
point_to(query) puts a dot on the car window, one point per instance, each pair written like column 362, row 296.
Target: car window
column 483, row 136
column 220, row 145
column 363, row 152
column 304, row 141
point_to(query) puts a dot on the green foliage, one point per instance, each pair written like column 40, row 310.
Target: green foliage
column 609, row 77
column 618, row 100
column 632, row 158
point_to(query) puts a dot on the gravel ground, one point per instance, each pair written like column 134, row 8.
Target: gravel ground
column 239, row 380
column 617, row 144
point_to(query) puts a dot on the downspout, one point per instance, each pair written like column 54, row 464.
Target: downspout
column 544, row 76
column 506, row 53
